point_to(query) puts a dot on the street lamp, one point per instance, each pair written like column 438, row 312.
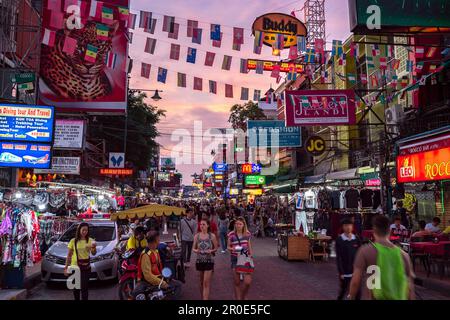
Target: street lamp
column 155, row 97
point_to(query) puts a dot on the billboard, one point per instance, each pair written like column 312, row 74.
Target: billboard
column 320, row 107
column 256, row 180
column 272, row 24
column 26, row 123
column 69, row 134
column 400, row 16
column 116, row 160
column 269, row 65
column 62, row 165
column 84, row 56
column 220, row 167
column 25, row 155
column 167, row 163
column 261, row 133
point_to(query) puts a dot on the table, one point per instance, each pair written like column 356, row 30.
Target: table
column 322, row 242
column 436, row 249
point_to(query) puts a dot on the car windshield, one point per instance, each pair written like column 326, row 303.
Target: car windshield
column 99, row 233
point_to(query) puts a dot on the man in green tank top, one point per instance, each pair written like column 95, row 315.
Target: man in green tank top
column 382, row 268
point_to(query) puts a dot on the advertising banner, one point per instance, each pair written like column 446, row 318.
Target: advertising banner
column 116, row 172
column 249, row 168
column 262, row 132
column 400, row 16
column 320, row 108
column 163, row 176
column 26, row 123
column 84, row 56
column 424, row 166
column 167, row 163
column 62, row 165
column 25, row 155
column 220, row 167
column 256, row 180
column 116, row 160
column 69, row 134
column 269, row 65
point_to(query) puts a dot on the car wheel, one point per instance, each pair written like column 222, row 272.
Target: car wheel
column 126, row 289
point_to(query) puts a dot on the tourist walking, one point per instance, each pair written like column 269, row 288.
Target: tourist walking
column 187, row 232
column 239, row 244
column 224, row 223
column 205, row 246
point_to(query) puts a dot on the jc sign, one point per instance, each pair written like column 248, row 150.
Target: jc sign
column 315, row 146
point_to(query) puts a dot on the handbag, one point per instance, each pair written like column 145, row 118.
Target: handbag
column 83, row 264
column 245, row 263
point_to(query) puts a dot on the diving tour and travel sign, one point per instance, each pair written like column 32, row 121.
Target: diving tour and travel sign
column 427, row 160
column 62, row 165
column 273, row 133
column 26, row 123
column 320, row 107
column 25, row 155
column 274, row 24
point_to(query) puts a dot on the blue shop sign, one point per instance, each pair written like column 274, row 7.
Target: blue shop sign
column 261, row 134
column 25, row 155
column 220, row 167
column 26, row 123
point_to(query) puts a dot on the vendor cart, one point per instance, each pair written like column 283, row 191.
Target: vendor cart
column 172, row 252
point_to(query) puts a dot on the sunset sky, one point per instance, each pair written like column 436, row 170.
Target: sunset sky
column 184, row 105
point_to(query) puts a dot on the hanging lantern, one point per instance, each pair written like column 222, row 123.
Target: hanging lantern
column 54, row 176
column 34, row 178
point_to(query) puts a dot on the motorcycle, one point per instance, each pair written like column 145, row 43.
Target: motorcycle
column 158, row 293
column 128, row 275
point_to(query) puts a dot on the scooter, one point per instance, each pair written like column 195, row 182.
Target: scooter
column 128, row 275
column 158, row 293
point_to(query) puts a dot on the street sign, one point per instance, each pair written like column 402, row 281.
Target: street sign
column 23, row 77
column 256, row 180
column 116, row 172
column 116, row 160
column 25, row 155
column 26, row 123
column 315, row 146
column 220, row 167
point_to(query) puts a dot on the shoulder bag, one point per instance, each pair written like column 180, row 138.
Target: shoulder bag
column 245, row 263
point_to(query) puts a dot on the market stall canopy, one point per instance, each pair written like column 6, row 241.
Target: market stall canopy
column 152, row 210
column 315, row 179
column 343, row 175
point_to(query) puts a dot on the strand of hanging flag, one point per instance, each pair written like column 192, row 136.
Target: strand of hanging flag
column 198, row 82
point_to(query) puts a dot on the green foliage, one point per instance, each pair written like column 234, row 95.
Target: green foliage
column 141, row 132
column 239, row 114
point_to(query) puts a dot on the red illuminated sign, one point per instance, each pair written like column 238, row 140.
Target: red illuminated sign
column 424, row 166
column 116, row 172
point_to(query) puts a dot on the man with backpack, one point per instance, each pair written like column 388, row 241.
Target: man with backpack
column 187, row 231
column 387, row 268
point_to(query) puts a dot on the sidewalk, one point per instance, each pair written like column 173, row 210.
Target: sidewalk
column 32, row 278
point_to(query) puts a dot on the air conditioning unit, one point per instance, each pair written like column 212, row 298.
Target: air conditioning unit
column 393, row 117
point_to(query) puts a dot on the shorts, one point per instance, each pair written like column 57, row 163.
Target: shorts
column 234, row 260
column 204, row 266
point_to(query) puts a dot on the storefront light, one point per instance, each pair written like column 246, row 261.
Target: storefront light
column 18, row 195
column 42, row 207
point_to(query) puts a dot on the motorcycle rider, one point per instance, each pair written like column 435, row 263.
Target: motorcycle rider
column 137, row 241
column 150, row 268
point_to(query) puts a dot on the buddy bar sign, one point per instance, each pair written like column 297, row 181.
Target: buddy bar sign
column 320, row 107
column 427, row 160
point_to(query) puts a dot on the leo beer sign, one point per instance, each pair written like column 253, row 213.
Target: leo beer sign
column 272, row 24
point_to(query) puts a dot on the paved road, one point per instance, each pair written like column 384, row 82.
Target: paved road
column 274, row 279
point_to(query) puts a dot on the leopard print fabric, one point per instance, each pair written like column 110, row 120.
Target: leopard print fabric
column 71, row 76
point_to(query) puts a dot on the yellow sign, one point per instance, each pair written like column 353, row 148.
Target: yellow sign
column 234, row 192
column 272, row 24
column 315, row 146
column 254, row 192
column 218, row 177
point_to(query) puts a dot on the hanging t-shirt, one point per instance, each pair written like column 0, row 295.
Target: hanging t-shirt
column 336, row 199
column 352, row 199
column 342, row 203
column 310, row 200
column 366, row 196
column 299, row 201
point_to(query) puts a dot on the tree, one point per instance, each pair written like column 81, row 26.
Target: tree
column 141, row 130
column 239, row 114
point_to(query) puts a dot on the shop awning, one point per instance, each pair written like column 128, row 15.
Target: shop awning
column 343, row 175
column 282, row 185
column 152, row 210
column 315, row 179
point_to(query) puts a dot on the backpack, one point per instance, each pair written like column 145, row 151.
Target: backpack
column 394, row 282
